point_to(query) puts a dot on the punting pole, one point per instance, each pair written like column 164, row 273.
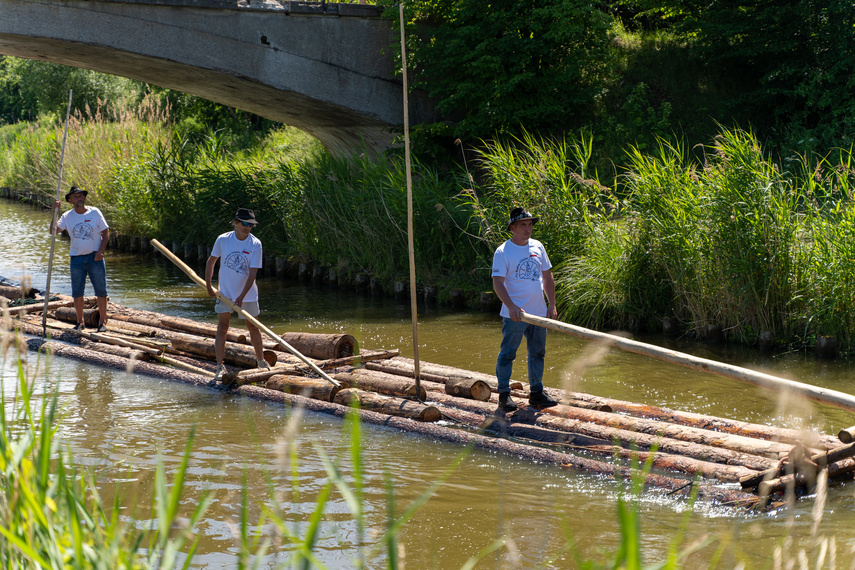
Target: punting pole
column 201, row 282
column 411, row 247
column 833, row 397
column 53, row 223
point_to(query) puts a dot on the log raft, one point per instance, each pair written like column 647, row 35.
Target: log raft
column 584, row 432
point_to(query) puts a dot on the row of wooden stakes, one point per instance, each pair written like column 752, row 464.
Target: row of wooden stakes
column 584, row 432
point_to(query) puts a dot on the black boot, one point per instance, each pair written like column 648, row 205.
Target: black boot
column 538, row 399
column 506, row 404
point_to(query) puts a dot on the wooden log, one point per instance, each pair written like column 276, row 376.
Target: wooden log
column 13, row 293
column 676, row 463
column 203, row 329
column 259, row 375
column 235, row 354
column 471, row 388
column 317, row 345
column 406, row 367
column 824, row 395
column 622, row 437
column 381, row 383
column 388, row 405
column 846, row 435
column 836, row 470
column 125, row 352
column 724, row 425
column 36, row 307
column 358, row 359
column 91, row 317
column 672, row 485
column 316, row 388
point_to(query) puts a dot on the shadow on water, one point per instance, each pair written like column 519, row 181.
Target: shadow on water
column 119, row 424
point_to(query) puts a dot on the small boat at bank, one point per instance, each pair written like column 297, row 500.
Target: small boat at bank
column 726, row 461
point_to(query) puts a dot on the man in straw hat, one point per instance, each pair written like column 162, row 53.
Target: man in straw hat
column 521, row 277
column 88, row 231
column 239, row 253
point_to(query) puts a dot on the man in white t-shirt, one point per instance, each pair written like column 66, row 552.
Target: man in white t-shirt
column 522, row 275
column 239, row 253
column 88, row 231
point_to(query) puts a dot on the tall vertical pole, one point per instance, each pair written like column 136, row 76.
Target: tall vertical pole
column 411, row 247
column 55, row 212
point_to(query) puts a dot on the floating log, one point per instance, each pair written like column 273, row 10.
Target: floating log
column 316, row 388
column 674, row 486
column 471, row 388
column 37, row 307
column 405, row 367
column 317, row 345
column 260, row 375
column 388, row 405
column 622, row 437
column 129, row 353
column 846, row 435
column 714, row 423
column 836, row 470
column 235, row 354
column 358, row 359
column 381, row 383
column 677, row 463
column 13, row 293
column 91, row 317
column 202, row 329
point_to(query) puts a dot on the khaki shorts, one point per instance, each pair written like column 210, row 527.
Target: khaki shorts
column 250, row 307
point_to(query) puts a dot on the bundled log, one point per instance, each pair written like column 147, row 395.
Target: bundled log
column 358, row 359
column 235, row 354
column 38, row 307
column 471, row 388
column 799, row 463
column 622, row 437
column 388, row 405
column 91, row 317
column 381, row 383
column 316, row 388
column 12, row 293
column 202, row 329
column 130, row 353
column 672, row 485
column 317, row 345
column 258, row 375
column 846, row 435
column 441, row 373
column 714, row 423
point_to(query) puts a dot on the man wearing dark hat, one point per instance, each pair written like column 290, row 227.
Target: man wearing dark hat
column 239, row 253
column 88, row 231
column 522, row 275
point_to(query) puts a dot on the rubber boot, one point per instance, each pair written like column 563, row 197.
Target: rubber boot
column 537, row 399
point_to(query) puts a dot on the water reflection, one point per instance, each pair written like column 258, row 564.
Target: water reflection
column 120, row 425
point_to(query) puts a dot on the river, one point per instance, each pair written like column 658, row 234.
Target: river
column 119, row 425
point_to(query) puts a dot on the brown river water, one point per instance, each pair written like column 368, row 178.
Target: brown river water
column 119, row 425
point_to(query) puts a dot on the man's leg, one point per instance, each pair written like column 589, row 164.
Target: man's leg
column 97, row 271
column 536, row 345
column 512, row 333
column 223, row 320
column 78, row 308
column 255, row 339
column 78, row 283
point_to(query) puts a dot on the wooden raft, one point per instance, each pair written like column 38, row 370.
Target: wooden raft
column 597, row 435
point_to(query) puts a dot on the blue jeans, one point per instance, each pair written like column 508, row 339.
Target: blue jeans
column 82, row 265
column 512, row 334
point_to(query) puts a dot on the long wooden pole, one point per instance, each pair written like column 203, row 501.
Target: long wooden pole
column 55, row 213
column 833, row 397
column 201, row 282
column 411, row 247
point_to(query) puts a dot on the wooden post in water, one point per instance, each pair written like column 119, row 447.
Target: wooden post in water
column 413, row 299
column 53, row 223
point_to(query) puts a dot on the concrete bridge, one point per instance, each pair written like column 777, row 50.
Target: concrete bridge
column 322, row 67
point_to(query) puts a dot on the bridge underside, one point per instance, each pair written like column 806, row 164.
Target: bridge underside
column 329, row 76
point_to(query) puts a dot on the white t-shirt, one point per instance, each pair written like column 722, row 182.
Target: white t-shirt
column 84, row 229
column 522, row 266
column 236, row 259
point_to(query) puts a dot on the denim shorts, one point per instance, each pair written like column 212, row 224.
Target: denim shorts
column 83, row 265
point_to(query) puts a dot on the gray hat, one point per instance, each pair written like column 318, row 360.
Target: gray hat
column 518, row 214
column 245, row 215
column 75, row 190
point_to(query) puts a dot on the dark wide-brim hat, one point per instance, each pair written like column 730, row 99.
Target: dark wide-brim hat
column 245, row 215
column 519, row 214
column 75, row 190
